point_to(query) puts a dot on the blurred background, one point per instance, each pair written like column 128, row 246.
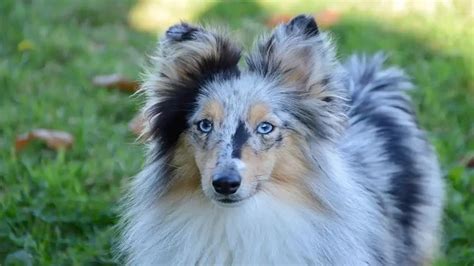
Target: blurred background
column 66, row 145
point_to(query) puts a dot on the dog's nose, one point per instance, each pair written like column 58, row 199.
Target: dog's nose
column 226, row 184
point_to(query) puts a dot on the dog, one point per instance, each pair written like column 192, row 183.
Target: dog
column 290, row 158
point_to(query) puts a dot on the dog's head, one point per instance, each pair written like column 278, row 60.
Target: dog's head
column 235, row 133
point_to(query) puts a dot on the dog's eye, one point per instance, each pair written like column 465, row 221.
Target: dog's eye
column 205, row 126
column 264, row 128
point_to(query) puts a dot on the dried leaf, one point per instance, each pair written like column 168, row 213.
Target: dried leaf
column 54, row 139
column 137, row 124
column 116, row 81
column 469, row 161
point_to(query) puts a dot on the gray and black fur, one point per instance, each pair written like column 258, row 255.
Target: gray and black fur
column 402, row 172
column 369, row 189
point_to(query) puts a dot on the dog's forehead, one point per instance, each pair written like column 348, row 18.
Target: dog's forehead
column 239, row 94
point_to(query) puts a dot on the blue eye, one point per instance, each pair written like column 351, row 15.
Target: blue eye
column 264, row 128
column 205, row 126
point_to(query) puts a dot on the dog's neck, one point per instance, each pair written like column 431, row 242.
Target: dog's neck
column 193, row 228
column 196, row 229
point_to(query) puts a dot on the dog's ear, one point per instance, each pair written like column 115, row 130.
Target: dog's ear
column 297, row 54
column 188, row 57
column 302, row 60
column 192, row 54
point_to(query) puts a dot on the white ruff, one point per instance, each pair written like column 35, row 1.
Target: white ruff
column 263, row 230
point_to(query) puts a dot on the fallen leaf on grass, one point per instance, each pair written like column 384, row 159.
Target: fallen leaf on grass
column 324, row 19
column 116, row 81
column 469, row 161
column 54, row 139
column 137, row 124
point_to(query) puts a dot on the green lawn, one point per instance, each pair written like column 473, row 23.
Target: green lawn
column 60, row 207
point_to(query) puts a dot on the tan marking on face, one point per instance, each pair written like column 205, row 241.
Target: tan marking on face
column 187, row 177
column 206, row 162
column 202, row 161
column 214, row 111
column 258, row 165
column 289, row 175
column 258, row 113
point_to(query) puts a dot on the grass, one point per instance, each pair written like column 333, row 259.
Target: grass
column 59, row 207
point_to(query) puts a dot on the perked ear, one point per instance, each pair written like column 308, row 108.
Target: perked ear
column 297, row 54
column 188, row 57
column 191, row 53
column 302, row 60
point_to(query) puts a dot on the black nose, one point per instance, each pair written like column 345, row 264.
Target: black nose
column 226, row 184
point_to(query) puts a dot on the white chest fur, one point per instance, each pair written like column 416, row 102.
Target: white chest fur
column 263, row 230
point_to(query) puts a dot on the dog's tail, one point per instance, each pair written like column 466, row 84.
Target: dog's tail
column 393, row 151
column 373, row 87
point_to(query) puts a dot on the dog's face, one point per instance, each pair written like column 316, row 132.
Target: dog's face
column 236, row 133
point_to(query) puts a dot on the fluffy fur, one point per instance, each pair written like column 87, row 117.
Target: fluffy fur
column 346, row 176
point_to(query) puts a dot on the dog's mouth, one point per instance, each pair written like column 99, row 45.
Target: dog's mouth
column 233, row 200
column 229, row 202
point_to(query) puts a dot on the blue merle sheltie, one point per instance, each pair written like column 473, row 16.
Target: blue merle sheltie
column 289, row 157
